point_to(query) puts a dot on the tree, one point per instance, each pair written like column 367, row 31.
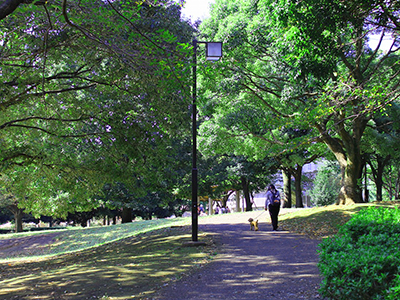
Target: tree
column 222, row 174
column 86, row 90
column 309, row 64
column 251, row 175
column 326, row 184
column 161, row 188
column 381, row 146
column 292, row 162
column 7, row 7
column 9, row 202
column 248, row 128
column 392, row 180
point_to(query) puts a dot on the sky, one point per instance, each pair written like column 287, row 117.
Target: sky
column 199, row 9
column 196, row 9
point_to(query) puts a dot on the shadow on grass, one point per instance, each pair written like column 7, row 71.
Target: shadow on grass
column 321, row 222
column 120, row 270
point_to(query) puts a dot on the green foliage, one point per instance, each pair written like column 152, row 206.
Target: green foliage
column 326, row 184
column 394, row 291
column 362, row 262
column 373, row 222
column 220, row 174
column 304, row 65
column 90, row 92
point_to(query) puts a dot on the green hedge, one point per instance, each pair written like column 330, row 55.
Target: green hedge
column 363, row 261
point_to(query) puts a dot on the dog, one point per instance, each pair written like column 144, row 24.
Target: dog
column 253, row 224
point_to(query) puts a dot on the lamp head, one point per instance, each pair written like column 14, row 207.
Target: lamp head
column 213, row 51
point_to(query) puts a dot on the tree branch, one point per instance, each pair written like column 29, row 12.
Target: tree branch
column 12, row 123
column 7, row 7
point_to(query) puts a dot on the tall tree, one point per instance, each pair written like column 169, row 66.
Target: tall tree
column 88, row 89
column 310, row 65
column 381, row 146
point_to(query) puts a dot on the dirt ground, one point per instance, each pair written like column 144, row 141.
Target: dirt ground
column 262, row 264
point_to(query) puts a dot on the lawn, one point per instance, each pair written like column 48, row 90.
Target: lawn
column 125, row 268
column 129, row 261
column 323, row 222
column 78, row 238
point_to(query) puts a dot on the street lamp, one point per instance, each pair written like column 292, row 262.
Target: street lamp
column 213, row 53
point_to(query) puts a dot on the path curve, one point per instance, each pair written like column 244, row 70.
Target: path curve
column 261, row 264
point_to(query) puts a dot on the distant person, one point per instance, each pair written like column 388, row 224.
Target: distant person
column 273, row 205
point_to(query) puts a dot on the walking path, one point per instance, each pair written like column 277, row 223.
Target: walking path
column 262, row 264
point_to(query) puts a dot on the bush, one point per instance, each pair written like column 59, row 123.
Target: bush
column 394, row 291
column 362, row 261
column 372, row 221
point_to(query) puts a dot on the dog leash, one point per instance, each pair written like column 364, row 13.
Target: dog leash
column 260, row 215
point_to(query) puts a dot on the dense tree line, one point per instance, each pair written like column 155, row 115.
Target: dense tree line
column 91, row 93
column 95, row 101
column 305, row 66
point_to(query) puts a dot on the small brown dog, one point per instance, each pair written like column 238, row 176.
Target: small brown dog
column 253, row 224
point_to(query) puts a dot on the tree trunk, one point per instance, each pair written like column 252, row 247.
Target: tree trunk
column 246, row 194
column 7, row 7
column 238, row 201
column 18, row 213
column 287, row 188
column 351, row 191
column 126, row 215
column 377, row 174
column 397, row 187
column 379, row 180
column 348, row 155
column 224, row 199
column 297, row 185
column 366, row 191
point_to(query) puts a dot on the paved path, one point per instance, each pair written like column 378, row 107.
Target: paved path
column 261, row 264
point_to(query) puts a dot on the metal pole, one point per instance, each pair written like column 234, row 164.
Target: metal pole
column 194, row 150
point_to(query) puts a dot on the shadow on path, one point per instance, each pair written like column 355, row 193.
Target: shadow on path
column 261, row 264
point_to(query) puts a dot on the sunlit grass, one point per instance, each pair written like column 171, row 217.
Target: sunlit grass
column 75, row 239
column 127, row 267
column 135, row 259
column 322, row 222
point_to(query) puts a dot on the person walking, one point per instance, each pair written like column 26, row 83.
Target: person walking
column 273, row 205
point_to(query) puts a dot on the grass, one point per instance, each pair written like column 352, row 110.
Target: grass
column 131, row 267
column 78, row 238
column 131, row 261
column 323, row 222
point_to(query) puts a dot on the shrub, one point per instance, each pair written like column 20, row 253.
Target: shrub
column 394, row 291
column 362, row 261
column 372, row 221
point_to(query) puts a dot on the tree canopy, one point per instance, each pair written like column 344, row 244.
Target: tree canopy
column 90, row 93
column 306, row 65
column 96, row 94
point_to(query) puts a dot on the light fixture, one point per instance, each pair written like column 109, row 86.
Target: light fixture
column 213, row 53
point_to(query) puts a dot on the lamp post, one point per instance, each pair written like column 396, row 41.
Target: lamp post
column 213, row 53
